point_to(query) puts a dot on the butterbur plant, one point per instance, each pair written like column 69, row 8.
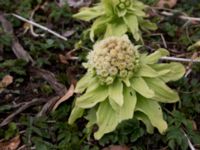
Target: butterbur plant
column 121, row 83
column 116, row 17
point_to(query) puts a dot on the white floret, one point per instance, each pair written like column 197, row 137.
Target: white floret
column 113, row 57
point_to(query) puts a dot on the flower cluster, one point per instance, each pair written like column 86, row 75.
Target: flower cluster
column 113, row 57
column 123, row 4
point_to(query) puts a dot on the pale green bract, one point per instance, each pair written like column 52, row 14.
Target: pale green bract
column 132, row 85
column 116, row 17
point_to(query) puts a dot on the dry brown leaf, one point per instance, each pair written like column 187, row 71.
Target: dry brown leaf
column 194, row 125
column 17, row 48
column 67, row 56
column 20, row 52
column 62, row 59
column 50, row 78
column 48, row 106
column 166, row 3
column 78, row 3
column 69, row 33
column 117, row 147
column 12, row 144
column 7, row 80
column 69, row 93
column 7, row 26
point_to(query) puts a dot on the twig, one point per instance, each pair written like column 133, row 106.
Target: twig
column 22, row 147
column 189, row 67
column 181, row 17
column 36, row 101
column 17, row 48
column 40, row 26
column 188, row 140
column 50, row 77
column 48, row 106
column 31, row 26
column 162, row 37
column 171, row 12
column 179, row 59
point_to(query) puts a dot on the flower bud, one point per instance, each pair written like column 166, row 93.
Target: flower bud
column 123, row 73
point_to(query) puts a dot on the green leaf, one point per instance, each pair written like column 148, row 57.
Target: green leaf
column 107, row 119
column 153, row 111
column 82, row 84
column 147, row 25
column 194, row 46
column 126, row 111
column 138, row 5
column 132, row 23
column 147, row 71
column 88, row 14
column 126, row 81
column 137, row 12
column 99, row 26
column 140, row 86
column 108, row 6
column 154, row 57
column 11, row 131
column 130, row 100
column 162, row 92
column 91, row 117
column 114, row 105
column 76, row 113
column 142, row 117
column 90, row 99
column 116, row 28
column 175, row 71
column 116, row 92
column 92, row 84
column 121, row 12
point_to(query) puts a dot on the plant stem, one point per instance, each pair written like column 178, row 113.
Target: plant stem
column 179, row 59
column 40, row 26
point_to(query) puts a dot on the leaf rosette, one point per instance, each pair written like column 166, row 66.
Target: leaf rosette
column 116, row 17
column 112, row 92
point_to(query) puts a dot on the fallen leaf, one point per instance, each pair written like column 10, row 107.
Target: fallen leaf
column 69, row 33
column 50, row 78
column 20, row 52
column 68, row 94
column 61, row 3
column 117, row 147
column 68, row 56
column 48, row 106
column 194, row 125
column 62, row 59
column 1, row 52
column 72, row 72
column 7, row 80
column 17, row 48
column 166, row 3
column 12, row 144
column 79, row 3
column 7, row 26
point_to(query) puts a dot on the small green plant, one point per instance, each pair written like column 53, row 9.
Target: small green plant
column 121, row 84
column 116, row 17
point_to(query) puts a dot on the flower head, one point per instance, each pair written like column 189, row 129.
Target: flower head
column 113, row 57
